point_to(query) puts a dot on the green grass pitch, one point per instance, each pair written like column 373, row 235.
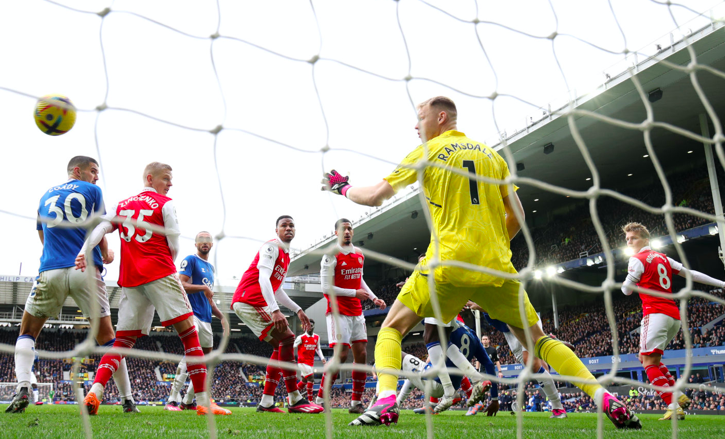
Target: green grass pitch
column 64, row 422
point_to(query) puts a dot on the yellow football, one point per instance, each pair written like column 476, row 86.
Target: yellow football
column 55, row 115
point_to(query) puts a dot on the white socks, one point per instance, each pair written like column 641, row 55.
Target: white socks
column 122, row 381
column 97, row 388
column 35, row 395
column 552, row 393
column 267, row 401
column 24, row 357
column 189, row 397
column 202, row 398
column 294, row 397
column 179, row 382
column 436, row 355
column 463, row 364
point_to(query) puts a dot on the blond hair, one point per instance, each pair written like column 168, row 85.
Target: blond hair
column 637, row 228
column 154, row 169
column 442, row 103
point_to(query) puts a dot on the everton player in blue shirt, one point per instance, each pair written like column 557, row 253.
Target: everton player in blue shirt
column 197, row 278
column 70, row 203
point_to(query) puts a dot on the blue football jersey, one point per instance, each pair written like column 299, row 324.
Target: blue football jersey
column 71, row 202
column 200, row 272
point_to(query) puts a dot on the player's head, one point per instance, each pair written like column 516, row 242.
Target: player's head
column 312, row 327
column 83, row 168
column 343, row 231
column 436, row 116
column 285, row 228
column 485, row 340
column 204, row 242
column 636, row 235
column 158, row 176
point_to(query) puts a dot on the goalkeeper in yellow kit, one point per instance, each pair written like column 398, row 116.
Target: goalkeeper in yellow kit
column 473, row 222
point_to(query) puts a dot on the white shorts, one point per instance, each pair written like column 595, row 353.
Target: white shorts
column 52, row 288
column 658, row 330
column 352, row 330
column 137, row 305
column 305, row 369
column 416, row 366
column 434, row 321
column 206, row 338
column 257, row 318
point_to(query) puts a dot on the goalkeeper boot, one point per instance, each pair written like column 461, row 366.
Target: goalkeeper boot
column 20, row 401
column 478, row 393
column 92, row 403
column 684, row 401
column 385, row 411
column 672, row 411
column 130, row 407
column 558, row 414
column 618, row 413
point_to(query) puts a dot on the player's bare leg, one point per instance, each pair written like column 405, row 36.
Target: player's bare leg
column 565, row 362
column 399, row 321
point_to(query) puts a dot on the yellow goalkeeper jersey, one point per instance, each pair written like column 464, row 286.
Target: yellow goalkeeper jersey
column 468, row 215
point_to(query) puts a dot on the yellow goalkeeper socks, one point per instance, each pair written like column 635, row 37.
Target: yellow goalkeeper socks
column 565, row 362
column 387, row 356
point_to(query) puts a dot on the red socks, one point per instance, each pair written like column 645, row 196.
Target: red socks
column 656, row 378
column 271, row 380
column 466, row 386
column 358, row 384
column 192, row 348
column 111, row 360
column 287, row 354
column 310, row 392
column 321, row 393
column 666, row 373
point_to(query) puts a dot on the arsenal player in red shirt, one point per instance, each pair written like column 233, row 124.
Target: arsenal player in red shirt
column 342, row 273
column 660, row 316
column 149, row 282
column 255, row 302
column 308, row 344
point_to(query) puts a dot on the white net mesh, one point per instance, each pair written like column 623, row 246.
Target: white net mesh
column 253, row 100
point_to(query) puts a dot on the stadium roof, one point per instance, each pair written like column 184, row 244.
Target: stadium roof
column 616, row 152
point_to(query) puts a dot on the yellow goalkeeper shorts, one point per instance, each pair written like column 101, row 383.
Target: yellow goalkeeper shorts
column 501, row 303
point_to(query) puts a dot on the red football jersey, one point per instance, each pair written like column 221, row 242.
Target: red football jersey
column 655, row 273
column 248, row 291
column 145, row 255
column 306, row 350
column 348, row 274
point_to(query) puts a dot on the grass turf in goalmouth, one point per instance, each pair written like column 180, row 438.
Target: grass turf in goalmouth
column 64, row 422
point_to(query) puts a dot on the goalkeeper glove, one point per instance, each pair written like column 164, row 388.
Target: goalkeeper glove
column 335, row 182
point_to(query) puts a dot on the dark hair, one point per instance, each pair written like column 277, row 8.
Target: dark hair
column 312, row 322
column 340, row 221
column 80, row 161
column 281, row 218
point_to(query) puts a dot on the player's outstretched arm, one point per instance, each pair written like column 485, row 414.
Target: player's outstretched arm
column 290, row 304
column 366, row 195
column 701, row 278
column 380, row 303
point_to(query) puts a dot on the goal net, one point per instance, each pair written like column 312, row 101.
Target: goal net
column 251, row 101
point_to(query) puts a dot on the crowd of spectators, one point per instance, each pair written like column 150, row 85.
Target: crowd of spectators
column 567, row 236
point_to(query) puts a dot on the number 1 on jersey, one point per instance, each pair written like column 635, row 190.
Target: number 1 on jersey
column 472, row 182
